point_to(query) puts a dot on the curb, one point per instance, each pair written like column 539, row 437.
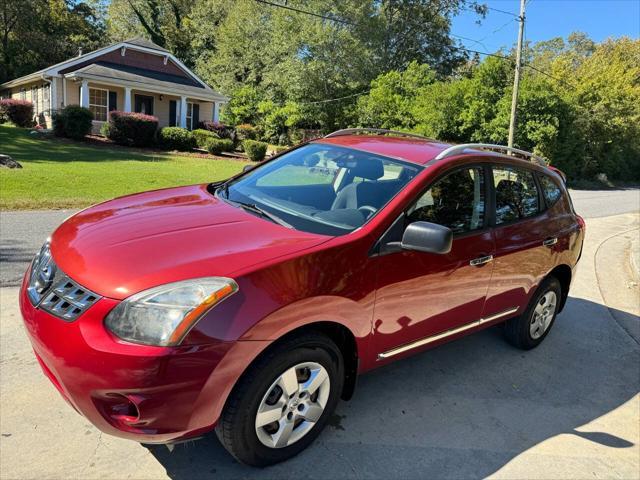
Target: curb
column 634, row 257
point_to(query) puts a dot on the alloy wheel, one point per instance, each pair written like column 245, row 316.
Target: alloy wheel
column 543, row 315
column 292, row 405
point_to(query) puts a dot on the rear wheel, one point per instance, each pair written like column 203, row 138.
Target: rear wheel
column 529, row 329
column 283, row 402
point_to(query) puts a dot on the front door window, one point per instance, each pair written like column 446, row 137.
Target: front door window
column 144, row 104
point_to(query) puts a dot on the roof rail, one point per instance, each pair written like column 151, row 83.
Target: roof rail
column 457, row 149
column 377, row 131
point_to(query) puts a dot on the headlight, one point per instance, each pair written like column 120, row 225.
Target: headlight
column 164, row 315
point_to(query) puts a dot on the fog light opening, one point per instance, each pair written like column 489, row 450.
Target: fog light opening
column 123, row 409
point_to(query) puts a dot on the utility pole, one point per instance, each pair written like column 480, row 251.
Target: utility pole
column 516, row 79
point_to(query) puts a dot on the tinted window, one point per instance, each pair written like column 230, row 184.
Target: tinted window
column 516, row 194
column 456, row 201
column 550, row 190
column 321, row 188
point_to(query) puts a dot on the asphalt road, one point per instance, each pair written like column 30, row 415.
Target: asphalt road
column 469, row 409
column 22, row 233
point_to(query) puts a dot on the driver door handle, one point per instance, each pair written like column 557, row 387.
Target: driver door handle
column 550, row 242
column 481, row 260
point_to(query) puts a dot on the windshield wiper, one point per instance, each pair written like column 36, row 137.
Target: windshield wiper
column 252, row 207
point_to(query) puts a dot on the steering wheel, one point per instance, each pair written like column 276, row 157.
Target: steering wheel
column 367, row 208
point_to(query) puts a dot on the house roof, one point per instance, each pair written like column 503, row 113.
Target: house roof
column 143, row 79
column 135, row 44
column 143, row 42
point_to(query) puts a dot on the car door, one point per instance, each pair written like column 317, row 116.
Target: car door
column 524, row 251
column 421, row 297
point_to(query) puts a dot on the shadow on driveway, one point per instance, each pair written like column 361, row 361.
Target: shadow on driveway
column 461, row 410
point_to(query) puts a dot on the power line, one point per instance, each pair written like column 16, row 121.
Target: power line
column 306, row 12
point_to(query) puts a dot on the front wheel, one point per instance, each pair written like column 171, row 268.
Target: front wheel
column 282, row 403
column 529, row 329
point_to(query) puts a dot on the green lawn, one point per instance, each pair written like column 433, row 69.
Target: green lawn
column 60, row 174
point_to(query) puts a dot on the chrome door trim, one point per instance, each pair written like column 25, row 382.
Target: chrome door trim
column 549, row 242
column 481, row 260
column 448, row 333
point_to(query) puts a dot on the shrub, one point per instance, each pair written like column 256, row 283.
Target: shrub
column 255, row 150
column 246, row 131
column 216, row 146
column 176, row 138
column 218, row 128
column 72, row 121
column 202, row 136
column 279, row 148
column 128, row 128
column 19, row 112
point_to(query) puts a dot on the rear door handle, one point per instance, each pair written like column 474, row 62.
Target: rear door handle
column 481, row 260
column 550, row 242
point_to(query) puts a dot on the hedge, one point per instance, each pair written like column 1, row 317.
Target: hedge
column 202, row 136
column 255, row 150
column 216, row 146
column 128, row 128
column 176, row 138
column 72, row 121
column 18, row 112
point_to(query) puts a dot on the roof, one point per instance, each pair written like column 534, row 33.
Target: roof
column 143, row 42
column 411, row 149
column 133, row 43
column 145, row 78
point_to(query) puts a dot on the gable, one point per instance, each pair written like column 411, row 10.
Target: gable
column 136, row 59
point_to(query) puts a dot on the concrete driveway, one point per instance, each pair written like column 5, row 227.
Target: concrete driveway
column 472, row 408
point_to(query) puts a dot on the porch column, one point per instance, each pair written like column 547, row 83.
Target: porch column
column 183, row 112
column 84, row 94
column 53, row 95
column 127, row 99
column 216, row 111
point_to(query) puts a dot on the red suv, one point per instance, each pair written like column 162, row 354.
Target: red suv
column 250, row 306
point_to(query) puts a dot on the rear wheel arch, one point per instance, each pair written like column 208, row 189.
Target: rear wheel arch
column 563, row 274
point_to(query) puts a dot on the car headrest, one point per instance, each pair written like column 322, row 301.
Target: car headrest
column 370, row 168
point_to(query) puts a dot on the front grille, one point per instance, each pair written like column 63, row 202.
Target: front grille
column 51, row 290
column 67, row 300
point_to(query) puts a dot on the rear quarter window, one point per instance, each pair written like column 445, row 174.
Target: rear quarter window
column 550, row 190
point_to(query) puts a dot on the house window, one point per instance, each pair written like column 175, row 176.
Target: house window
column 99, row 103
column 189, row 116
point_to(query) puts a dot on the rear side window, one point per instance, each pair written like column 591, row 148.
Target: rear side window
column 516, row 194
column 550, row 190
column 456, row 201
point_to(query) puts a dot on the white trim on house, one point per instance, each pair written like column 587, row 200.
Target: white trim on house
column 207, row 95
column 54, row 70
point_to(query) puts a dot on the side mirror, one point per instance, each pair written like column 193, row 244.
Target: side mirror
column 246, row 168
column 427, row 237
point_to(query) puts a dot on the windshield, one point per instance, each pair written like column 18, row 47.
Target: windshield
column 320, row 188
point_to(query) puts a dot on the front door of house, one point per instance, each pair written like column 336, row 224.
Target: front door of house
column 143, row 104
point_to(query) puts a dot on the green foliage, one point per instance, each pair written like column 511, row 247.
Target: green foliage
column 586, row 120
column 216, row 146
column 202, row 136
column 256, row 151
column 37, row 34
column 245, row 131
column 176, row 138
column 72, row 121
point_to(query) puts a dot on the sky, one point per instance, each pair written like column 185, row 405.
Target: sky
column 547, row 19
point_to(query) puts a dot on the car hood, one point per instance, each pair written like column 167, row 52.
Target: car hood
column 129, row 244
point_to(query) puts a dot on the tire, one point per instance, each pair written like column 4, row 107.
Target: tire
column 263, row 387
column 528, row 330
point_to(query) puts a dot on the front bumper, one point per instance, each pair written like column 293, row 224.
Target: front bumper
column 145, row 393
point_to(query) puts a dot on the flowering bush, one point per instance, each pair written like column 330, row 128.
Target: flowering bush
column 19, row 112
column 128, row 128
